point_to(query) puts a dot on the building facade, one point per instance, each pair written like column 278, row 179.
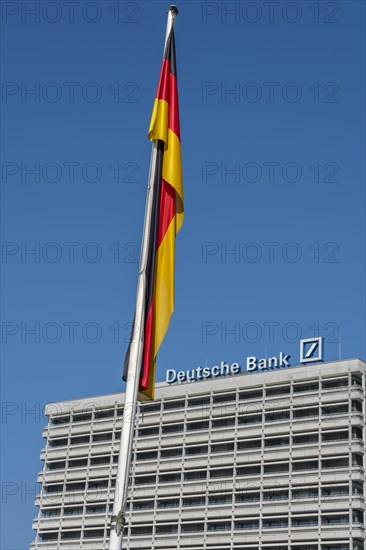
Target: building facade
column 265, row 461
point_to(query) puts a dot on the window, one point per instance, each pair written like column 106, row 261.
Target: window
column 253, row 419
column 143, row 505
column 221, row 472
column 247, row 497
column 357, row 516
column 147, row 455
column 70, row 535
column 192, row 527
column 98, row 484
column 80, row 440
column 275, row 495
column 96, row 509
column 169, row 503
column 170, row 478
column 73, row 511
column 280, row 416
column 199, row 401
column 190, row 476
column 51, row 512
column 100, row 461
column 248, row 470
column 219, row 526
column 356, row 380
column 220, row 499
column 145, row 432
column 48, row 536
column 308, row 387
column 171, row 405
column 300, row 466
column 194, row 501
column 357, row 488
column 275, row 523
column 226, row 398
column 251, row 394
column 75, row 486
column 357, row 460
column 339, row 383
column 312, row 412
column 193, row 426
column 171, row 453
column 172, row 428
column 145, row 530
column 276, row 391
column 223, row 422
column 150, row 409
column 335, row 491
column 82, row 417
column 280, row 468
column 356, row 433
column 277, row 442
column 335, row 436
column 94, row 534
column 57, row 442
column 356, row 406
column 247, row 524
column 52, row 489
column 104, row 414
column 59, row 420
column 299, row 494
column 249, row 444
column 222, row 448
column 341, row 519
column 102, row 437
column 78, row 463
column 306, row 521
column 197, row 450
column 145, row 480
column 51, row 466
column 305, row 439
column 167, row 529
column 334, row 463
column 335, row 410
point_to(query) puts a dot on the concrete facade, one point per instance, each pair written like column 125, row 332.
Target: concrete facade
column 266, row 461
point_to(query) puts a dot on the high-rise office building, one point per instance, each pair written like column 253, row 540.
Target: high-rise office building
column 272, row 460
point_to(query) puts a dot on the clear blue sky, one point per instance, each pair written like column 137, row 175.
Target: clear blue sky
column 293, row 210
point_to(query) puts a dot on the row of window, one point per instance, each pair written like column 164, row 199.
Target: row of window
column 268, row 495
column 216, row 448
column 248, row 524
column 169, row 429
column 254, row 418
column 222, row 498
column 203, row 401
column 75, row 510
column 251, row 470
column 251, row 444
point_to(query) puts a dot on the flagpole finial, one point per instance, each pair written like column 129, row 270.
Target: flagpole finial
column 174, row 10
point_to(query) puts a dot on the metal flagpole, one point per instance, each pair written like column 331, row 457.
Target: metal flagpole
column 135, row 358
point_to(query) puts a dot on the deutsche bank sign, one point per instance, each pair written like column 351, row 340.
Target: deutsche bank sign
column 311, row 350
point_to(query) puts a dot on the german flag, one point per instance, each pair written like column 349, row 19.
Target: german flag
column 166, row 219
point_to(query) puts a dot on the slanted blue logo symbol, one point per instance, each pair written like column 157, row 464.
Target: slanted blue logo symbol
column 311, row 350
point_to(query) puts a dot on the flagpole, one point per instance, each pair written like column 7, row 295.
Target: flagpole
column 135, row 358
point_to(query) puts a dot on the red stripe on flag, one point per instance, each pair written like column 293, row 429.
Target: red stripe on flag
column 164, row 81
column 167, row 209
column 148, row 344
column 173, row 121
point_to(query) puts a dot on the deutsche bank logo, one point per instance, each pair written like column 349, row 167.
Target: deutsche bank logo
column 311, row 350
